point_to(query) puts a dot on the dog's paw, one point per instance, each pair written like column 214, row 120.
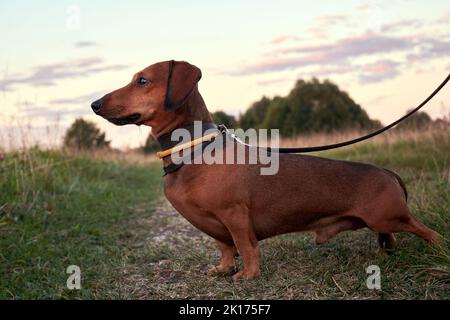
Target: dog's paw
column 246, row 275
column 387, row 242
column 220, row 270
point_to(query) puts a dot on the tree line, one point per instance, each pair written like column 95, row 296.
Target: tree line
column 311, row 106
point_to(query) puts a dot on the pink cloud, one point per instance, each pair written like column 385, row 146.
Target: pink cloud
column 354, row 46
column 445, row 18
column 338, row 56
column 283, row 38
column 277, row 64
column 378, row 67
column 280, row 39
column 394, row 26
column 50, row 74
column 322, row 24
column 420, row 71
column 328, row 70
column 325, row 54
column 363, row 7
column 272, row 81
column 378, row 71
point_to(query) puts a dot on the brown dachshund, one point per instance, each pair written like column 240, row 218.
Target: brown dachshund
column 234, row 203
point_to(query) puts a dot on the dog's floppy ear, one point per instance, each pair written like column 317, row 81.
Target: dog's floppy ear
column 181, row 82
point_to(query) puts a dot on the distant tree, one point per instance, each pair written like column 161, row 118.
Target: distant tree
column 277, row 117
column 254, row 116
column 220, row 117
column 150, row 145
column 84, row 134
column 418, row 120
column 310, row 106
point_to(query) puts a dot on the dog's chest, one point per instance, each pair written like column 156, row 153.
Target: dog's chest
column 195, row 207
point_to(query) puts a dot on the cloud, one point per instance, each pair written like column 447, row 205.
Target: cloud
column 445, row 18
column 29, row 110
column 397, row 25
column 353, row 46
column 326, row 54
column 329, row 70
column 83, row 99
column 48, row 75
column 381, row 70
column 438, row 47
column 272, row 81
column 367, row 73
column 339, row 56
column 277, row 64
column 84, row 44
column 363, row 7
column 322, row 24
column 284, row 38
column 430, row 48
column 47, row 113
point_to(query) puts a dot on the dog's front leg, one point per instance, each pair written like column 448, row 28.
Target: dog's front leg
column 239, row 224
column 227, row 264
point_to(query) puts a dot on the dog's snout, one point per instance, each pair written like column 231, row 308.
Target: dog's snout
column 97, row 105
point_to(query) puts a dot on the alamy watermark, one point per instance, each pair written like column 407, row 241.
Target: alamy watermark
column 375, row 16
column 373, row 281
column 74, row 280
column 73, row 20
column 229, row 149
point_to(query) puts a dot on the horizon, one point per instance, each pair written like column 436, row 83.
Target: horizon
column 59, row 57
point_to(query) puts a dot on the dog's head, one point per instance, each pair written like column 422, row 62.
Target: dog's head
column 151, row 96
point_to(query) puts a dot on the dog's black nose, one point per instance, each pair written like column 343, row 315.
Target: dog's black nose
column 97, row 105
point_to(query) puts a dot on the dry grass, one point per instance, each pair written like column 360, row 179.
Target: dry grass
column 429, row 134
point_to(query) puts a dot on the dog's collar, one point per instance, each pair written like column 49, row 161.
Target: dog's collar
column 192, row 143
column 169, row 146
column 165, row 141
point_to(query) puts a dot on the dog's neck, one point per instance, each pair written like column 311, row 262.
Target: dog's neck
column 194, row 109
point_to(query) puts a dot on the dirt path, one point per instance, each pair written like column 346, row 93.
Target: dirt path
column 158, row 245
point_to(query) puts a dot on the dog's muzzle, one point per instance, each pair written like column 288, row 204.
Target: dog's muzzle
column 133, row 118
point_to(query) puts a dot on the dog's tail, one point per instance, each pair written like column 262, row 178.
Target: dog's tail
column 399, row 180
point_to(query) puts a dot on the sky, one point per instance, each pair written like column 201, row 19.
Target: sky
column 57, row 57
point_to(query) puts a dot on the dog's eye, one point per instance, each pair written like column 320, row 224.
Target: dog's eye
column 142, row 81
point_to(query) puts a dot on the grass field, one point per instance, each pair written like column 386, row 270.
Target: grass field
column 107, row 215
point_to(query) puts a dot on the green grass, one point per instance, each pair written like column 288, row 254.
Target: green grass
column 58, row 209
column 108, row 217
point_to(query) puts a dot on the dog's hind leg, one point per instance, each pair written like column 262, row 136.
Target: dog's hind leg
column 227, row 264
column 402, row 221
column 388, row 213
column 412, row 225
column 325, row 233
column 387, row 241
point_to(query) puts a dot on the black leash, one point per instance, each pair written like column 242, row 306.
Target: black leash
column 368, row 136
